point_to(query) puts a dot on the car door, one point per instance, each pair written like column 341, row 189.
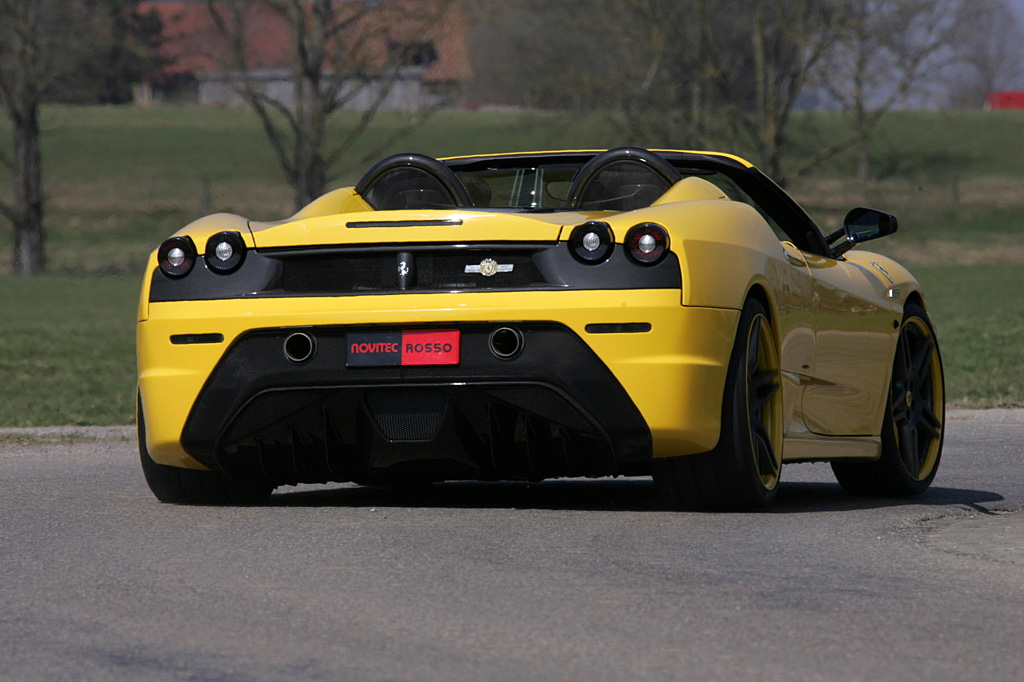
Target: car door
column 855, row 330
column 795, row 301
column 837, row 327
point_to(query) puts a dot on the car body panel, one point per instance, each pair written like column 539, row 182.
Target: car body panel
column 447, row 227
column 855, row 337
column 683, row 351
column 665, row 347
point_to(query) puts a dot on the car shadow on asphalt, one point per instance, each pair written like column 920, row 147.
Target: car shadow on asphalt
column 802, row 496
column 620, row 495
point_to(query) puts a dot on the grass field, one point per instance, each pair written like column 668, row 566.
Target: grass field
column 67, row 350
column 118, row 180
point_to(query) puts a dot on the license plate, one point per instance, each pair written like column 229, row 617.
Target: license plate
column 404, row 348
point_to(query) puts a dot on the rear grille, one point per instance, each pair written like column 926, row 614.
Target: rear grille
column 410, row 270
column 407, row 415
column 556, row 410
column 470, row 432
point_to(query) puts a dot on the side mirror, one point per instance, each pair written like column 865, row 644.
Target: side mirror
column 861, row 225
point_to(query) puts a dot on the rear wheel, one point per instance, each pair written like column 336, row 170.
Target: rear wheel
column 743, row 471
column 915, row 414
column 191, row 486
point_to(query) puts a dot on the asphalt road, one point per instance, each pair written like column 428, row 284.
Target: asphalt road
column 561, row 581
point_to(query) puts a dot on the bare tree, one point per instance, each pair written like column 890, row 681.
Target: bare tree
column 693, row 73
column 730, row 73
column 665, row 96
column 41, row 43
column 340, row 52
column 640, row 62
column 885, row 50
column 787, row 42
column 988, row 48
column 722, row 72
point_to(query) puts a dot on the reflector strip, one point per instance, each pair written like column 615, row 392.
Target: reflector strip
column 627, row 328
column 185, row 339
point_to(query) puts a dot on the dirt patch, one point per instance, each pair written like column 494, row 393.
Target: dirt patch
column 990, row 535
column 65, row 434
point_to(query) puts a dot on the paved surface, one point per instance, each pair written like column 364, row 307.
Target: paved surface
column 569, row 580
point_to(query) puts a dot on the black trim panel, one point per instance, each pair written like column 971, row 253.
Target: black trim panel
column 404, row 223
column 553, row 410
column 429, row 268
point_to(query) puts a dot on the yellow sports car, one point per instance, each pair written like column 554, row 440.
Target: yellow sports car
column 537, row 315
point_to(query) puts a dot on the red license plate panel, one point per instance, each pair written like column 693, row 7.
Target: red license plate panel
column 406, row 348
column 434, row 347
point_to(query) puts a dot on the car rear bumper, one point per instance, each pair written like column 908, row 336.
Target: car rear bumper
column 605, row 381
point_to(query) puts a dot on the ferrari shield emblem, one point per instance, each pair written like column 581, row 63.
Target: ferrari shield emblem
column 489, row 267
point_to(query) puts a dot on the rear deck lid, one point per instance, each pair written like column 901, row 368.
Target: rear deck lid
column 413, row 227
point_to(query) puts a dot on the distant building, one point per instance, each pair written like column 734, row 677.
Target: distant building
column 1012, row 99
column 433, row 62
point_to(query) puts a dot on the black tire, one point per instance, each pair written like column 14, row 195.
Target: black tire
column 191, row 486
column 915, row 414
column 743, row 470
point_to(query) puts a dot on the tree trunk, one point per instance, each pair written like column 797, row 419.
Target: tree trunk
column 768, row 130
column 29, row 258
column 310, row 173
column 310, row 180
column 309, row 31
column 863, row 166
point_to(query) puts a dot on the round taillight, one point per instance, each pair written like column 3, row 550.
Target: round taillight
column 225, row 252
column 647, row 243
column 592, row 242
column 176, row 256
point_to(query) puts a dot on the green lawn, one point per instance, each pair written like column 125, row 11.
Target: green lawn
column 979, row 319
column 67, row 344
column 67, row 350
column 119, row 179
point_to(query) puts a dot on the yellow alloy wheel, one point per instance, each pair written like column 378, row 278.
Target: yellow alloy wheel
column 914, row 420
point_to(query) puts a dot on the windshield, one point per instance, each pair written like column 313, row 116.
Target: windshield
column 543, row 181
column 531, row 187
column 546, row 186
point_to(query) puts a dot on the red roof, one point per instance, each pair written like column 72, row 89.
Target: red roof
column 193, row 44
column 1013, row 99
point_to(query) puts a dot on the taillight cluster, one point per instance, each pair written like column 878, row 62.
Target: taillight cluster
column 225, row 253
column 177, row 255
column 647, row 243
column 593, row 243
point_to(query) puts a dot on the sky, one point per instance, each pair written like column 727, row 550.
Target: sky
column 1018, row 6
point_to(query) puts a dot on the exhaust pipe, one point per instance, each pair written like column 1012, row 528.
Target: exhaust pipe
column 299, row 347
column 506, row 342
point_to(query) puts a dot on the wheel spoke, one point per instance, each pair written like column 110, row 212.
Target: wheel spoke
column 754, row 348
column 920, row 366
column 902, row 359
column 909, row 448
column 763, row 386
column 929, row 423
column 900, row 411
column 767, row 464
column 762, row 383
